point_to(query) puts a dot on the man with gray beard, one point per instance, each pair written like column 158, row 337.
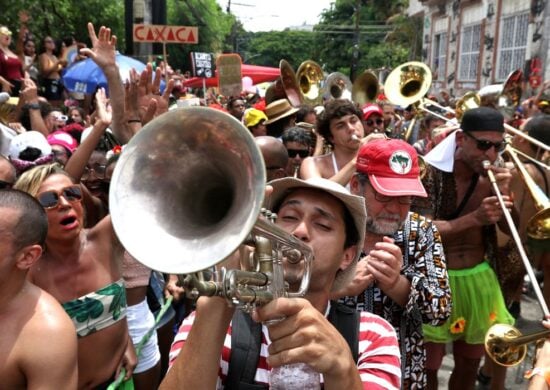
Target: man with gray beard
column 402, row 275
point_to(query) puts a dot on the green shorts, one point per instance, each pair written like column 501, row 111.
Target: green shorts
column 477, row 304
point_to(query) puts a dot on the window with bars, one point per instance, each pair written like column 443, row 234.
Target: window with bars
column 470, row 44
column 513, row 44
column 439, row 56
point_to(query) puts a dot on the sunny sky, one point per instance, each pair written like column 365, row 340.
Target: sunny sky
column 266, row 15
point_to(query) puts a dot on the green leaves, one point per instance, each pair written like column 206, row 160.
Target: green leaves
column 83, row 309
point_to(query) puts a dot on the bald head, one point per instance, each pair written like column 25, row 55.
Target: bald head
column 275, row 156
column 7, row 170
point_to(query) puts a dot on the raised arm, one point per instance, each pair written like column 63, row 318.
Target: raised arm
column 103, row 53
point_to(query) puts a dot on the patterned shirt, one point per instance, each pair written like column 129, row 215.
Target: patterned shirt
column 378, row 362
column 429, row 300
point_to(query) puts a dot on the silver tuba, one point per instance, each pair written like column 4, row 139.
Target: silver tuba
column 187, row 192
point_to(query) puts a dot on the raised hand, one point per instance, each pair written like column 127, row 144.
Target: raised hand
column 103, row 51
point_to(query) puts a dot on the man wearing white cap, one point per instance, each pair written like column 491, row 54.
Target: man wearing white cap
column 331, row 221
column 403, row 274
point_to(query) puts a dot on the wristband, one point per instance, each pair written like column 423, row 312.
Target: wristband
column 544, row 372
column 33, row 106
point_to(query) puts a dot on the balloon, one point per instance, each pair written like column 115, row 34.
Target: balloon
column 247, row 85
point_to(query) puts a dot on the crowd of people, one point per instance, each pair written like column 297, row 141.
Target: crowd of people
column 412, row 250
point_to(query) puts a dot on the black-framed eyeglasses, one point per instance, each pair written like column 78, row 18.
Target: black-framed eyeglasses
column 371, row 122
column 404, row 200
column 292, row 153
column 98, row 171
column 4, row 185
column 50, row 199
column 484, row 145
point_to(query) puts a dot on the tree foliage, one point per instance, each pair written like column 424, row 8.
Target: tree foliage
column 215, row 28
column 63, row 18
column 369, row 30
column 268, row 48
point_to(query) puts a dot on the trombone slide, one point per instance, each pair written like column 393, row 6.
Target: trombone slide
column 517, row 240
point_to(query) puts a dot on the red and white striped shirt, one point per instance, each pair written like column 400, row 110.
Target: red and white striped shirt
column 378, row 362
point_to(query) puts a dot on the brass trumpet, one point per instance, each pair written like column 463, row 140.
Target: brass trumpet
column 187, row 192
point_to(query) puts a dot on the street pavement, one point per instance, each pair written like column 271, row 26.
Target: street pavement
column 529, row 322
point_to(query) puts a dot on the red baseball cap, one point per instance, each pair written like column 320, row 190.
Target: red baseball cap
column 369, row 109
column 392, row 167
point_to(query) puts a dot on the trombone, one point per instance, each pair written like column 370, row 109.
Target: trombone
column 505, row 343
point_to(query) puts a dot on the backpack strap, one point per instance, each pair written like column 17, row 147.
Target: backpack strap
column 246, row 340
column 346, row 320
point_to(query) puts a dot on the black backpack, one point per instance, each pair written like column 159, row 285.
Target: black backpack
column 246, row 338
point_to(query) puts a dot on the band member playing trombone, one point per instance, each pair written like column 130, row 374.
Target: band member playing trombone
column 332, row 222
column 464, row 209
column 341, row 126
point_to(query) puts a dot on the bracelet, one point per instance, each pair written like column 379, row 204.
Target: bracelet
column 134, row 120
column 544, row 372
column 33, row 106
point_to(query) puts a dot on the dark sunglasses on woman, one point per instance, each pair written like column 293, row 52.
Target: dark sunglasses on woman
column 50, row 199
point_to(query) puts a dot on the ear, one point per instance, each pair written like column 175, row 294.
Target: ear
column 348, row 256
column 355, row 186
column 27, row 256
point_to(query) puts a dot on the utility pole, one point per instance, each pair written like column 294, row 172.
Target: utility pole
column 355, row 54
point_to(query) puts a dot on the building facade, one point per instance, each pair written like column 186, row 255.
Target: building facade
column 472, row 43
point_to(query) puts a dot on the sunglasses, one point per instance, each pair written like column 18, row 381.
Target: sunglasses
column 485, row 145
column 4, row 185
column 297, row 152
column 371, row 122
column 405, row 200
column 98, row 170
column 50, row 199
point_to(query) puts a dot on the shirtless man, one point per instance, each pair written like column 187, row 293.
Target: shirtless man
column 464, row 209
column 79, row 268
column 341, row 126
column 37, row 341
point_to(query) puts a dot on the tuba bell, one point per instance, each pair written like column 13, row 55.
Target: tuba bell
column 408, row 83
column 309, row 77
column 337, row 86
column 187, row 192
column 365, row 88
column 285, row 87
column 504, row 97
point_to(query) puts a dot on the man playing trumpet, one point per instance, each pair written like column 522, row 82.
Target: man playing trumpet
column 332, row 222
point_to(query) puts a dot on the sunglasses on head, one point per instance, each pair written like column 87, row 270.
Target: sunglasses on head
column 4, row 185
column 292, row 153
column 50, row 199
column 485, row 145
column 371, row 122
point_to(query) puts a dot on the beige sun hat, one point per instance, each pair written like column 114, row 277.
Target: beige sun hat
column 278, row 109
column 354, row 204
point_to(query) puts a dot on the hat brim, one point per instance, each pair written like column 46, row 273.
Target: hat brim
column 354, row 204
column 293, row 110
column 398, row 186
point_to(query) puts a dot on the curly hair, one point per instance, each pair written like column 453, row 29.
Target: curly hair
column 335, row 109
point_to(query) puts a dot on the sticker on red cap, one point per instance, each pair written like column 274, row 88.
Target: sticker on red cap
column 400, row 162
